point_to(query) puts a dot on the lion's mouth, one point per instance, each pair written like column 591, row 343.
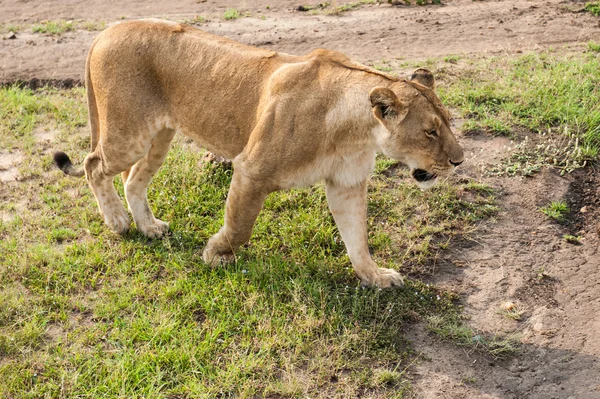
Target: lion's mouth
column 421, row 175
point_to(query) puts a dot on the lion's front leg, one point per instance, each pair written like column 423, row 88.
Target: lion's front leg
column 244, row 202
column 349, row 208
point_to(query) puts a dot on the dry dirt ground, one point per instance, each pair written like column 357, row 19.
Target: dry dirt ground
column 519, row 257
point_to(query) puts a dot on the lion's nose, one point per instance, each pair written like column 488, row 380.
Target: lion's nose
column 456, row 163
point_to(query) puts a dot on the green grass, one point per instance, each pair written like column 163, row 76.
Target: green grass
column 87, row 313
column 53, row 27
column 557, row 210
column 5, row 28
column 593, row 46
column 450, row 327
column 330, row 8
column 59, row 27
column 593, row 7
column 231, row 13
column 571, row 239
column 92, row 25
column 337, row 10
column 199, row 19
column 417, row 2
column 452, row 59
column 556, row 95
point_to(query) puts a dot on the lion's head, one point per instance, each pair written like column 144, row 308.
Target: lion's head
column 415, row 128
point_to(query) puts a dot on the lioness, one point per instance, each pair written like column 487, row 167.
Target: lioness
column 285, row 121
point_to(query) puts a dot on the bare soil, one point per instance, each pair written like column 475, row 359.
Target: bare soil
column 520, row 256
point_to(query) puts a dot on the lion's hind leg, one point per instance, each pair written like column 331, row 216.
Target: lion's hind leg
column 100, row 179
column 136, row 185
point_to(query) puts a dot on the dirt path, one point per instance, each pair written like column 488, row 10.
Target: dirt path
column 522, row 258
column 370, row 33
column 519, row 257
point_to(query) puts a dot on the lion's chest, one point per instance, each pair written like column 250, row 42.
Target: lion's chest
column 345, row 170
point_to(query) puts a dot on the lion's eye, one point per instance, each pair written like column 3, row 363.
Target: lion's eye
column 432, row 133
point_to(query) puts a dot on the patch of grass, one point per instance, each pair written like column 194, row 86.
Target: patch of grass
column 593, row 46
column 562, row 152
column 383, row 67
column 88, row 313
column 557, row 210
column 197, row 20
column 92, row 25
column 337, row 10
column 417, row 2
column 231, row 13
column 545, row 93
column 450, row 327
column 61, row 26
column 5, row 28
column 330, row 8
column 593, row 7
column 53, row 27
column 452, row 59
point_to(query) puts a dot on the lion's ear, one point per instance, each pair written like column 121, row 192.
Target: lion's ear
column 423, row 76
column 386, row 105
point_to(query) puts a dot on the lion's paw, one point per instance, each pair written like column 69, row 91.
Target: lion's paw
column 156, row 229
column 213, row 258
column 386, row 278
column 118, row 222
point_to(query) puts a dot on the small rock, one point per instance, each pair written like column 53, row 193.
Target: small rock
column 11, row 35
column 584, row 209
column 508, row 305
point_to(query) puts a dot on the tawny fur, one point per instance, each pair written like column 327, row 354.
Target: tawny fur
column 286, row 121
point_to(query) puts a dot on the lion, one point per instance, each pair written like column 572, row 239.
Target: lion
column 286, row 121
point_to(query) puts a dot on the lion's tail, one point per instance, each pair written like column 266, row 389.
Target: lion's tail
column 61, row 159
column 64, row 163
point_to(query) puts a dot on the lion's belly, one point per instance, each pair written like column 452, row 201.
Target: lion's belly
column 220, row 140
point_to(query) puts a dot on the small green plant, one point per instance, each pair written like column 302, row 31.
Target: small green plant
column 199, row 19
column 390, row 378
column 542, row 274
column 511, row 311
column 556, row 210
column 593, row 7
column 231, row 13
column 469, row 380
column 452, row 59
column 571, row 239
column 593, row 46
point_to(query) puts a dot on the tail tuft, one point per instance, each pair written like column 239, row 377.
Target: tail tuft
column 64, row 163
column 62, row 160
